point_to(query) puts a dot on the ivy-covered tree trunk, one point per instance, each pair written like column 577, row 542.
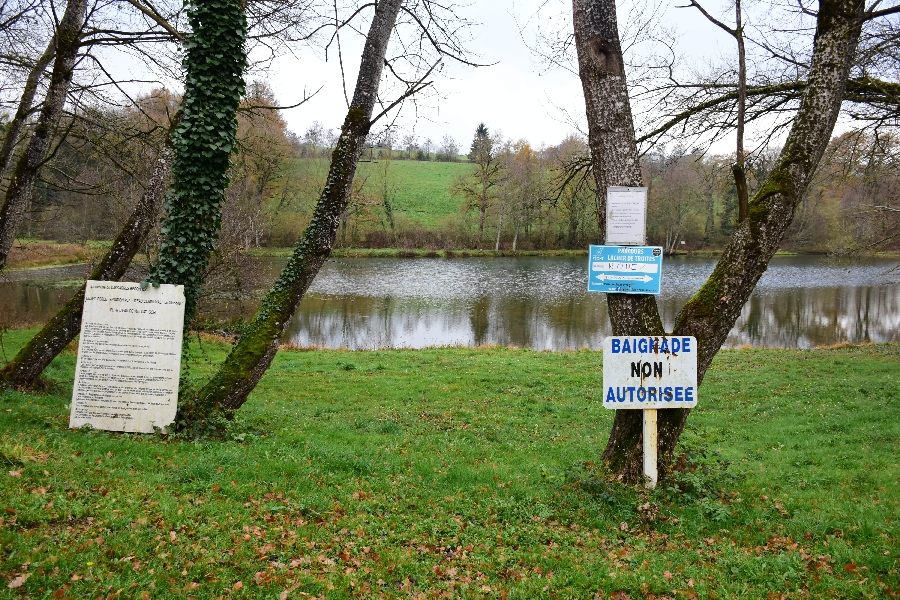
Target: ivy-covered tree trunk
column 229, row 388
column 203, row 140
column 21, row 184
column 26, row 101
column 712, row 312
column 28, row 364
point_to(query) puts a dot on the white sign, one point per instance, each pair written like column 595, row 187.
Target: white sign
column 129, row 357
column 626, row 216
column 649, row 372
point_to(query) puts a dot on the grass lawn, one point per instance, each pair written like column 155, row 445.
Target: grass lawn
column 465, row 473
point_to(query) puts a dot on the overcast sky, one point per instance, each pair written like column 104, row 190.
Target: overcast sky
column 516, row 95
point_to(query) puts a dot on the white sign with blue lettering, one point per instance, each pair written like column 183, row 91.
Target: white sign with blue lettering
column 649, row 372
column 625, row 269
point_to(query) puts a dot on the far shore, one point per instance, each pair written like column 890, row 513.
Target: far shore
column 31, row 255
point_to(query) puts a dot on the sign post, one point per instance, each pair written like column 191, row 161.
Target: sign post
column 651, row 447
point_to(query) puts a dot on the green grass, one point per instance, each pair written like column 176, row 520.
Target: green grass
column 418, row 190
column 421, row 189
column 468, row 473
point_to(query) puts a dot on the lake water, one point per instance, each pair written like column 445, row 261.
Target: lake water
column 542, row 303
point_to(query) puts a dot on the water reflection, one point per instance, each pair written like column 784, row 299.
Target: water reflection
column 542, row 303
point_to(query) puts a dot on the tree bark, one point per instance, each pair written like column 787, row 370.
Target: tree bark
column 229, row 388
column 711, row 313
column 614, row 161
column 21, row 185
column 25, row 368
column 14, row 129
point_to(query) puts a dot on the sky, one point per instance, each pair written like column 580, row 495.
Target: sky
column 516, row 95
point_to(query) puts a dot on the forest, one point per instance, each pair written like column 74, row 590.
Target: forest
column 411, row 194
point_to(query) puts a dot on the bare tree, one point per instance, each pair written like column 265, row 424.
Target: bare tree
column 28, row 364
column 482, row 186
column 229, row 388
column 67, row 41
column 737, row 32
column 711, row 313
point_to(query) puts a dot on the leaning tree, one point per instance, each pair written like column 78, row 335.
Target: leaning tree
column 713, row 310
column 428, row 33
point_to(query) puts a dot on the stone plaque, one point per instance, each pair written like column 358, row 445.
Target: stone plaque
column 129, row 357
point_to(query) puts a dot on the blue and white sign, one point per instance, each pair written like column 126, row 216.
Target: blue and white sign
column 625, row 269
column 649, row 372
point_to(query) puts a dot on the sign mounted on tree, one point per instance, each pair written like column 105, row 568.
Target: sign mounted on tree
column 649, row 372
column 626, row 216
column 625, row 269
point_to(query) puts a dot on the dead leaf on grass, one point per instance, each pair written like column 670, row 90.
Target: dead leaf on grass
column 19, row 581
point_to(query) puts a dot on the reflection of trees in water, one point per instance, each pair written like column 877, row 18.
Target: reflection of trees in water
column 24, row 305
column 478, row 317
column 534, row 303
column 804, row 318
column 790, row 318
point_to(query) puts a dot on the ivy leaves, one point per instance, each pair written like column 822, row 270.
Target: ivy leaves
column 215, row 58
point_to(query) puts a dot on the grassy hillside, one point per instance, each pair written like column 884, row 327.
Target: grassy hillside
column 466, row 473
column 417, row 190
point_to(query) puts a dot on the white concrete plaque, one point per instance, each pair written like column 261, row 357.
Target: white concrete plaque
column 649, row 372
column 626, row 216
column 129, row 357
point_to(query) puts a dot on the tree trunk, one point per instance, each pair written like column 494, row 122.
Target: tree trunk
column 14, row 129
column 33, row 358
column 21, row 184
column 614, row 163
column 214, row 62
column 229, row 388
column 711, row 313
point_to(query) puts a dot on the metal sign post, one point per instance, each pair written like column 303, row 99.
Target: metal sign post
column 651, row 445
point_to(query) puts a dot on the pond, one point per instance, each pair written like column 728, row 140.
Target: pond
column 541, row 303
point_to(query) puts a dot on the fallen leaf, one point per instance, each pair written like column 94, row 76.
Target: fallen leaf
column 238, row 586
column 19, row 581
column 667, row 575
column 15, row 473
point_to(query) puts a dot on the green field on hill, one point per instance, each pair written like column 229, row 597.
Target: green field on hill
column 458, row 472
column 418, row 190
